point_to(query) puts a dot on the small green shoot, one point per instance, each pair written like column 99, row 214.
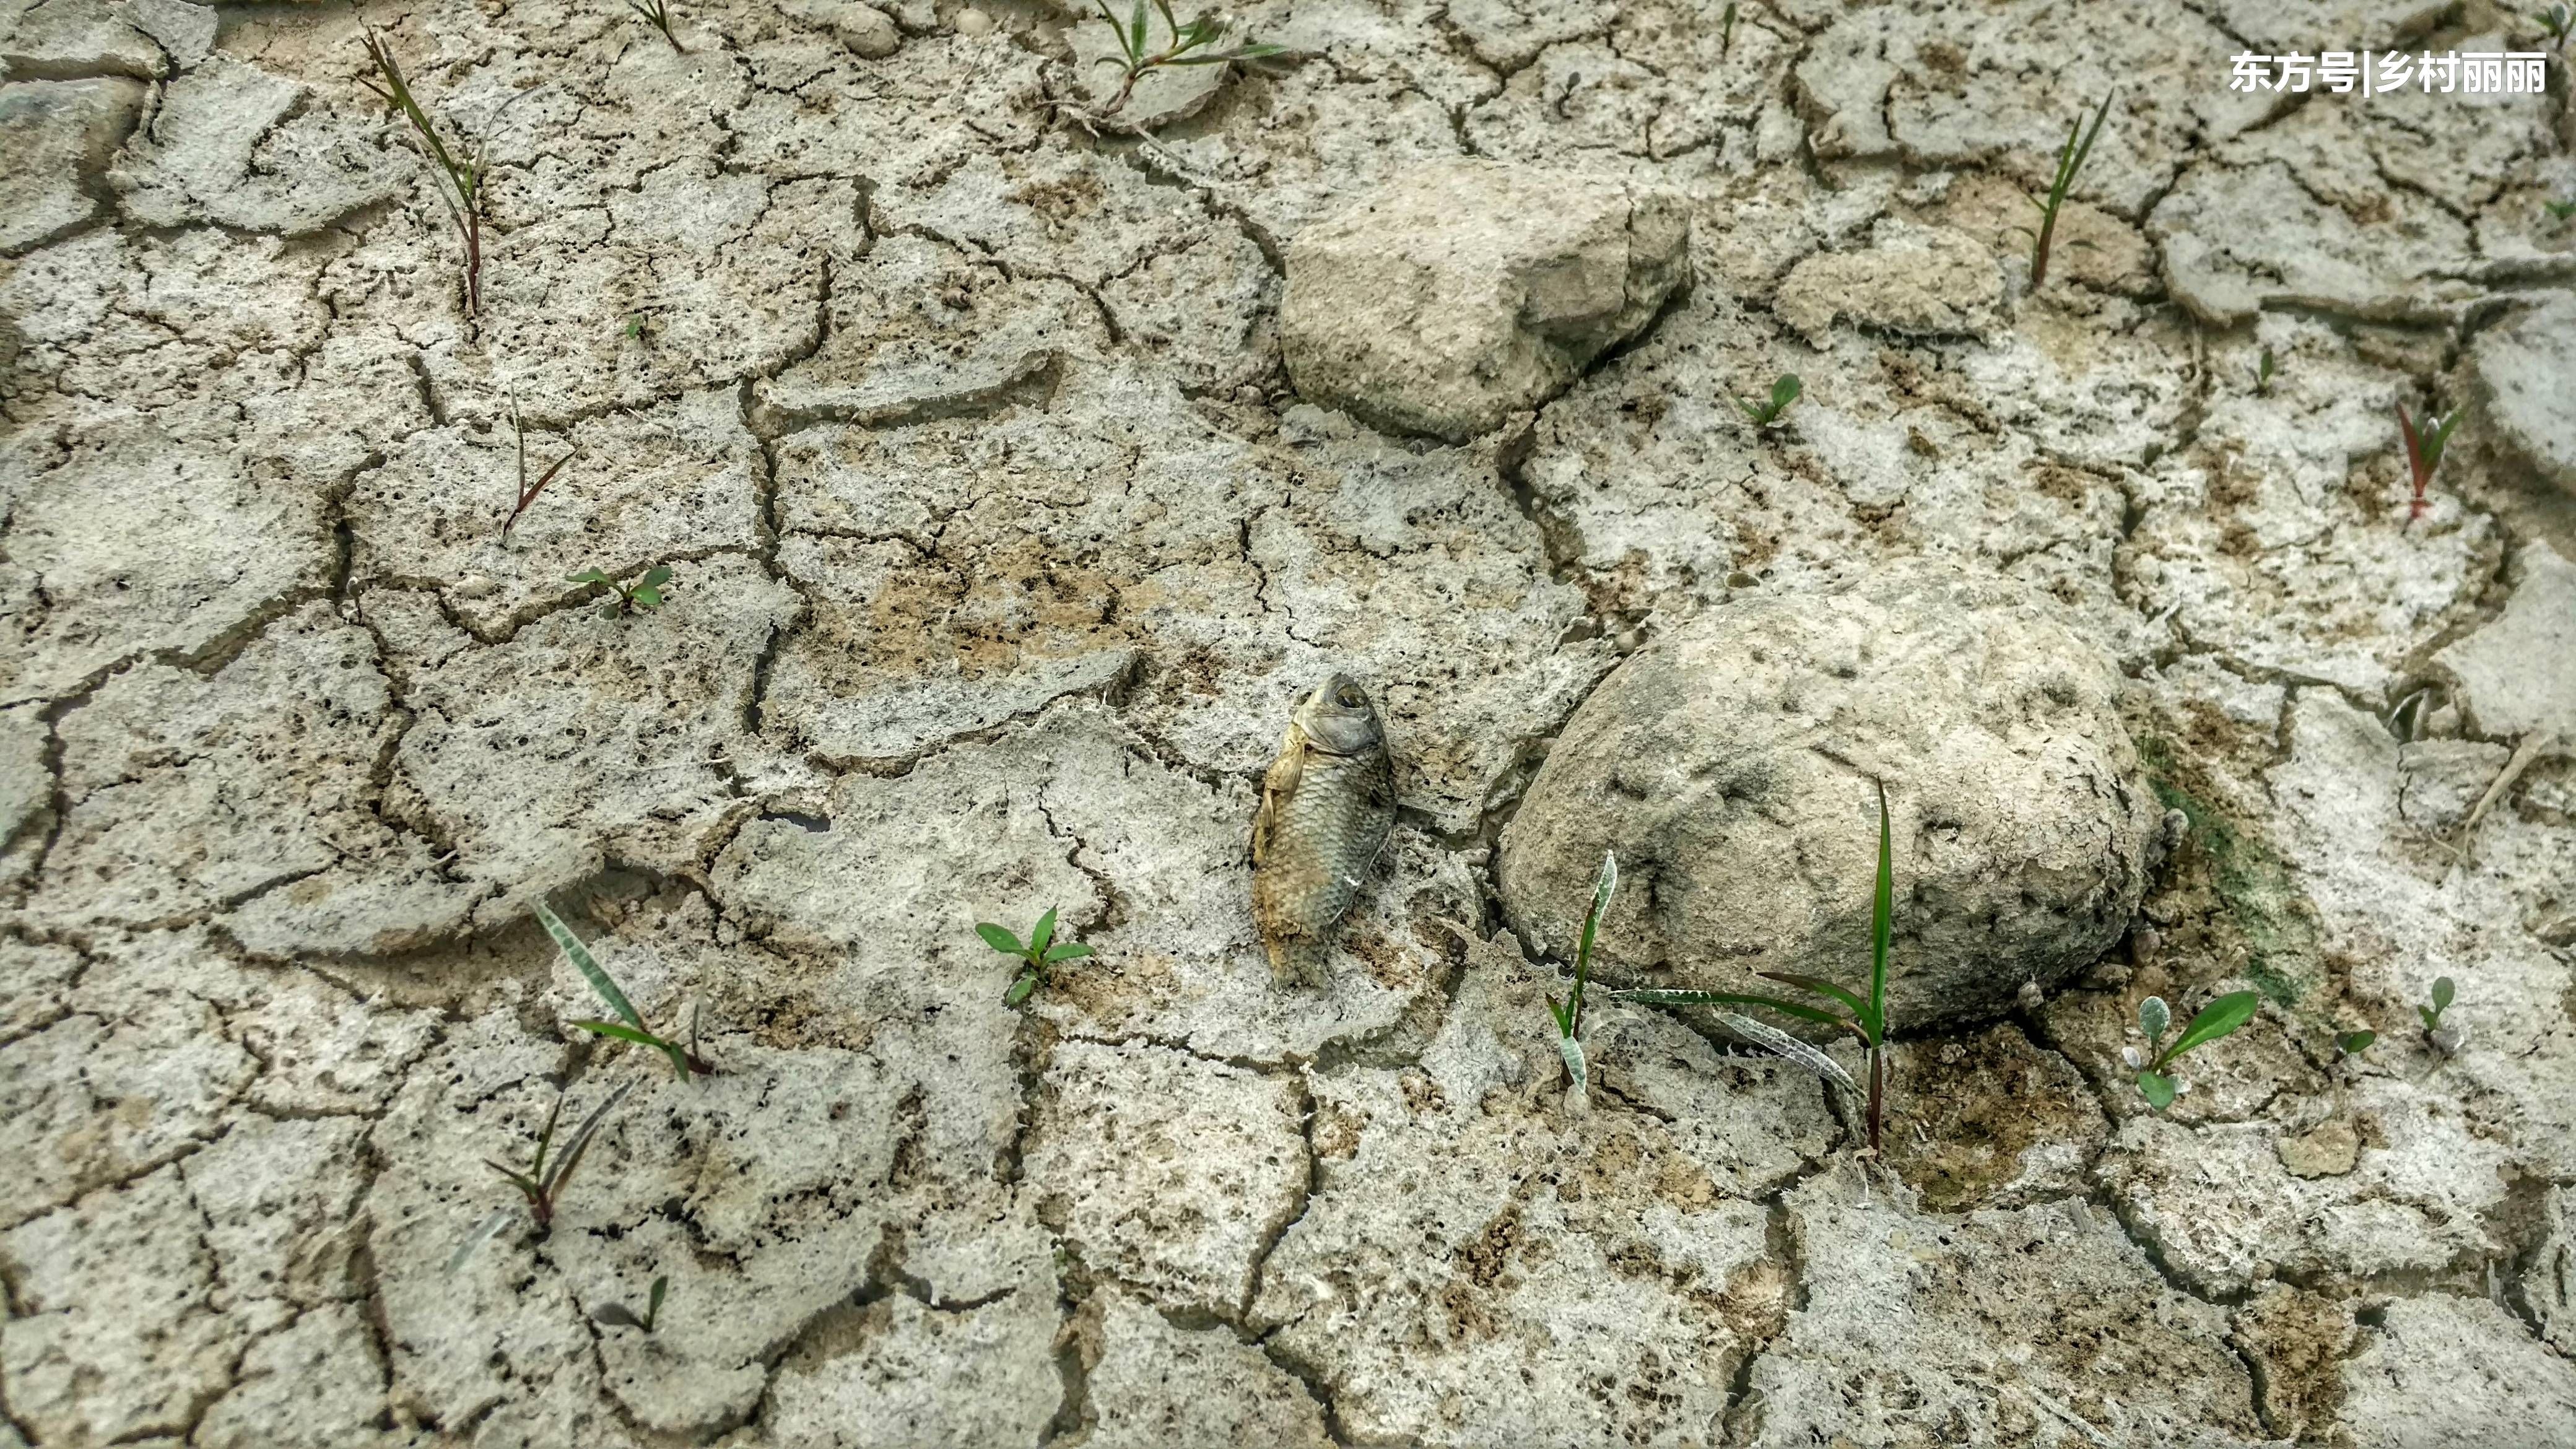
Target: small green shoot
column 1041, row 951
column 2443, row 990
column 543, row 1183
column 1569, row 1013
column 2070, row 160
column 2424, row 447
column 2558, row 21
column 1186, row 45
column 657, row 13
column 2354, row 1043
column 528, row 491
column 2263, row 374
column 1784, row 391
column 461, row 181
column 645, row 594
column 2217, row 1019
column 620, row 1316
column 684, row 1059
column 1846, row 1011
column 2560, row 209
column 1726, row 29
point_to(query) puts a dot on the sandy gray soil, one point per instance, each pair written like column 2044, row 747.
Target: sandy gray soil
column 1000, row 546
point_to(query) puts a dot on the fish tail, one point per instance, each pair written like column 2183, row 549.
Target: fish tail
column 1296, row 961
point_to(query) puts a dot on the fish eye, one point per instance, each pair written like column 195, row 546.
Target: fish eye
column 1350, row 698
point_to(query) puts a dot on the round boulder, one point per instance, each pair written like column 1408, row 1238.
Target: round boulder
column 1733, row 766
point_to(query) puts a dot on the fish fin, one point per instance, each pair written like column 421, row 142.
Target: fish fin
column 1277, row 786
column 1297, row 960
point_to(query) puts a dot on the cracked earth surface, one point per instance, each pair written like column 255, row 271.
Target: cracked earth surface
column 1000, row 546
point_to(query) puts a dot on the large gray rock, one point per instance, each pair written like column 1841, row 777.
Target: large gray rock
column 1459, row 293
column 2522, row 366
column 1731, row 763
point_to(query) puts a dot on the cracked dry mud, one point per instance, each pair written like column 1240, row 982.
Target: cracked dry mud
column 1000, row 546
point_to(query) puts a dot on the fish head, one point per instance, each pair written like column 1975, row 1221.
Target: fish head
column 1338, row 718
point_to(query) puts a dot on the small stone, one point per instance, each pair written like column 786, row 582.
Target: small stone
column 972, row 22
column 476, row 586
column 1462, row 292
column 2448, row 1038
column 2330, row 1150
column 1915, row 280
column 871, row 33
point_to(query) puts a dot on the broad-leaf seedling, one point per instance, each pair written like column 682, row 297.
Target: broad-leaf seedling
column 1569, row 1012
column 2558, row 21
column 1784, row 391
column 2070, row 160
column 2217, row 1019
column 644, row 593
column 2424, row 445
column 684, row 1059
column 621, row 1316
column 2354, row 1043
column 1035, row 955
column 1184, row 45
column 1864, row 1017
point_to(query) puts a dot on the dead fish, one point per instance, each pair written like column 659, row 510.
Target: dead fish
column 1326, row 807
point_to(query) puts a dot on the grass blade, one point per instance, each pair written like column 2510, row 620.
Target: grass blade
column 1789, row 1048
column 624, row 1033
column 571, row 1157
column 483, row 1232
column 1882, row 910
column 582, row 962
column 1822, row 987
column 1816, row 1014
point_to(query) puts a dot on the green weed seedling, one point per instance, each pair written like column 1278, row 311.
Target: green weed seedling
column 1569, row 1012
column 657, row 13
column 2560, row 209
column 1041, row 951
column 645, row 593
column 620, row 1316
column 2354, row 1043
column 460, row 178
column 2070, row 160
column 2558, row 21
column 2155, row 1066
column 2443, row 1039
column 1184, row 45
column 543, row 1183
column 2424, row 447
column 1726, row 29
column 2263, row 371
column 684, row 1059
column 1784, row 391
column 1864, row 1018
column 528, row 491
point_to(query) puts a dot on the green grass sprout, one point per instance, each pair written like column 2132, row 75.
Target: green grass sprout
column 1864, row 1018
column 1186, row 45
column 684, row 1059
column 2217, row 1019
column 2070, row 160
column 528, row 491
column 543, row 1183
column 1784, row 391
column 460, row 178
column 2560, row 209
column 1040, row 951
column 1726, row 29
column 657, row 13
column 646, row 593
column 2263, row 371
column 2424, row 447
column 1569, row 1013
column 621, row 1316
